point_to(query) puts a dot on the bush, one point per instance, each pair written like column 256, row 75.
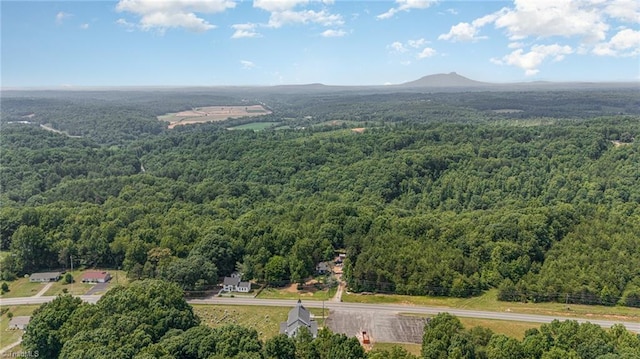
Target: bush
column 4, row 288
column 68, row 278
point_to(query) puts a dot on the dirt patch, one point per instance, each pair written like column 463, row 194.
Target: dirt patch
column 358, row 130
column 212, row 114
column 381, row 327
column 310, row 287
column 618, row 143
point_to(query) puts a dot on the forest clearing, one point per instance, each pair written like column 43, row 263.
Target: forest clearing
column 212, row 114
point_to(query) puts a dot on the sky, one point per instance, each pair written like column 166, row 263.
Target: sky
column 334, row 42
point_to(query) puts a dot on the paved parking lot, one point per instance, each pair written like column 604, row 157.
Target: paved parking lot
column 381, row 327
column 98, row 288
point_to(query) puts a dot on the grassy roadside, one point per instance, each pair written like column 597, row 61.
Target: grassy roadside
column 21, row 287
column 281, row 293
column 265, row 320
column 489, row 302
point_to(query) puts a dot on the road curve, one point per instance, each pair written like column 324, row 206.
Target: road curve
column 342, row 306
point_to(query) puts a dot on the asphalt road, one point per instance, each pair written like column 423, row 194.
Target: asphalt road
column 359, row 307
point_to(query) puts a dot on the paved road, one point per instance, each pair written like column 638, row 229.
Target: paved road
column 44, row 290
column 351, row 307
column 6, row 349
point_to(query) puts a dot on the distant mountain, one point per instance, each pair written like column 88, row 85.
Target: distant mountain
column 444, row 80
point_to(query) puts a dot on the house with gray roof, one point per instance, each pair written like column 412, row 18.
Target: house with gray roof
column 235, row 284
column 299, row 317
column 45, row 277
column 19, row 323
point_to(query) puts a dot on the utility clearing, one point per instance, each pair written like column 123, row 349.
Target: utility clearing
column 212, row 114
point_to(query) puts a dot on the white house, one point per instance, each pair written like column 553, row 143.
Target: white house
column 235, row 284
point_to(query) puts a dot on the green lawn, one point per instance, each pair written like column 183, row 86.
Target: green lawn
column 283, row 293
column 256, row 126
column 10, row 336
column 266, row 320
column 22, row 288
column 489, row 302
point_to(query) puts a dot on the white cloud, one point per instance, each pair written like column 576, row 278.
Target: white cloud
column 452, row 11
column 284, row 12
column 244, row 31
column 515, row 45
column 278, row 5
column 417, row 43
column 625, row 10
column 247, row 65
column 625, row 43
column 165, row 14
column 127, row 25
column 530, row 61
column 426, row 52
column 465, row 31
column 397, row 46
column 460, row 32
column 84, row 26
column 280, row 18
column 333, row 33
column 549, row 18
column 405, row 5
column 61, row 16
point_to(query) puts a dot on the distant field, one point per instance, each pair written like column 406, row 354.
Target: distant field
column 212, row 114
column 255, row 126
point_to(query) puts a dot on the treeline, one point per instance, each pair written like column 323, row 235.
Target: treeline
column 445, row 337
column 120, row 116
column 150, row 319
column 541, row 212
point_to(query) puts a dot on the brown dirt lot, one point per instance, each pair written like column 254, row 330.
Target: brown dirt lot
column 212, row 114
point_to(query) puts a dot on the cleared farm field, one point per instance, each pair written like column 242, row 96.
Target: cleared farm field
column 255, row 126
column 212, row 114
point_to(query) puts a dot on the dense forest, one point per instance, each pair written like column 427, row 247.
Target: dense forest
column 447, row 194
column 150, row 319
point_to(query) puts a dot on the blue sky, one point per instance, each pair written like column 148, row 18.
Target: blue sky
column 266, row 42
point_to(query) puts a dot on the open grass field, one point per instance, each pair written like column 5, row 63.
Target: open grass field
column 488, row 301
column 265, row 320
column 212, row 114
column 11, row 336
column 21, row 287
column 255, row 126
column 291, row 292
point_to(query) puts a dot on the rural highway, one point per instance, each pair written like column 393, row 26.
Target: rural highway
column 354, row 307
